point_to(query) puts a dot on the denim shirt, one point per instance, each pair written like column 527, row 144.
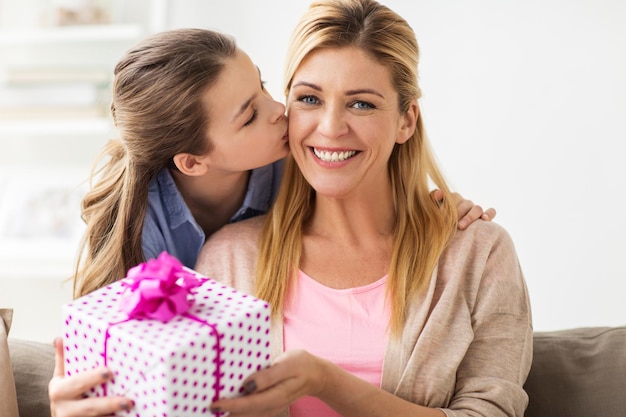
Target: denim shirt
column 169, row 225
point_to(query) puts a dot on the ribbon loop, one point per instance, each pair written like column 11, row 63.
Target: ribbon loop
column 158, row 289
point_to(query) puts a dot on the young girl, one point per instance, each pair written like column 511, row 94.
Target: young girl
column 175, row 175
column 201, row 145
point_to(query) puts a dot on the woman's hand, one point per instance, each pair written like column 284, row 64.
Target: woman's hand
column 67, row 397
column 466, row 209
column 268, row 392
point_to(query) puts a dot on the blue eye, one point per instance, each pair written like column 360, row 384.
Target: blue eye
column 308, row 100
column 362, row 105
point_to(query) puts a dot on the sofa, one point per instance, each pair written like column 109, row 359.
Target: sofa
column 575, row 373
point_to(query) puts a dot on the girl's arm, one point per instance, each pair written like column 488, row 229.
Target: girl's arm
column 467, row 211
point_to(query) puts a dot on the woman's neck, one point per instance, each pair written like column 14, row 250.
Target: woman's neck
column 212, row 198
column 360, row 216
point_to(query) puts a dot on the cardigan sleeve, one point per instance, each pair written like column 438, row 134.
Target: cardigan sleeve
column 492, row 373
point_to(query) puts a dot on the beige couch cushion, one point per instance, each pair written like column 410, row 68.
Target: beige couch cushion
column 33, row 366
column 8, row 398
column 578, row 373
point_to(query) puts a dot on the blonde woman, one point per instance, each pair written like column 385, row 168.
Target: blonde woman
column 381, row 306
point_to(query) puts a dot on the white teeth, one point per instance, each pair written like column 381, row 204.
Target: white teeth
column 333, row 156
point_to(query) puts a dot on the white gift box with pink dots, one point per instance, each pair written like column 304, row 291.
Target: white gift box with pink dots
column 173, row 368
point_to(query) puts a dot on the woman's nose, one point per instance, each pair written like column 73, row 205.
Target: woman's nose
column 332, row 123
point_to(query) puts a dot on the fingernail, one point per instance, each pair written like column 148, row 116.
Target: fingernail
column 215, row 410
column 105, row 374
column 127, row 405
column 55, row 341
column 249, row 387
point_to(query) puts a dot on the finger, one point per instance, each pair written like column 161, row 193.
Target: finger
column 282, row 369
column 73, row 387
column 58, row 357
column 437, row 196
column 96, row 406
column 474, row 213
column 489, row 214
column 260, row 403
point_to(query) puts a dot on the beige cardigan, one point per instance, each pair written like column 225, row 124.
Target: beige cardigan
column 467, row 344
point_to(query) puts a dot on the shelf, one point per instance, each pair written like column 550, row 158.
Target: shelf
column 71, row 34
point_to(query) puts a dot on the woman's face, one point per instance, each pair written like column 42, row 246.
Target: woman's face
column 345, row 121
column 247, row 127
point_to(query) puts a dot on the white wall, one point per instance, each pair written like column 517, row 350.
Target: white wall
column 524, row 103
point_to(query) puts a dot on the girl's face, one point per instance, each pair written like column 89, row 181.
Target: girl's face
column 345, row 121
column 247, row 127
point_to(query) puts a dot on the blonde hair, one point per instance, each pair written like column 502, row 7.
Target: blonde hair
column 423, row 228
column 157, row 109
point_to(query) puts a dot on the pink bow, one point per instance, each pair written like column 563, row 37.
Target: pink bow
column 158, row 289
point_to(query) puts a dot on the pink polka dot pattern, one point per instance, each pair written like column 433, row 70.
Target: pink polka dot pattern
column 173, row 368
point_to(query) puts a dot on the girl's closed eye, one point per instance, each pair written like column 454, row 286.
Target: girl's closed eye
column 251, row 119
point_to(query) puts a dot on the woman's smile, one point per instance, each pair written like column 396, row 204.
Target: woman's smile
column 329, row 155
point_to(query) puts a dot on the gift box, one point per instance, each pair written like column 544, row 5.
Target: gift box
column 174, row 340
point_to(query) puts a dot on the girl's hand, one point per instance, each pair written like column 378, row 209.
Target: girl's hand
column 67, row 397
column 468, row 211
column 268, row 392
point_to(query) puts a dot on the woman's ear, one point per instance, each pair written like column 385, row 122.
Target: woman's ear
column 189, row 164
column 408, row 123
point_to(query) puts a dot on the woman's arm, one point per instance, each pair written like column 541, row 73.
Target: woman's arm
column 67, row 393
column 297, row 373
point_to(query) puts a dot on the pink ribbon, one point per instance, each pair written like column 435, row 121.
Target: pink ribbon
column 159, row 289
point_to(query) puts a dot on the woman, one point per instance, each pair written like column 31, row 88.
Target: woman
column 381, row 306
column 201, row 143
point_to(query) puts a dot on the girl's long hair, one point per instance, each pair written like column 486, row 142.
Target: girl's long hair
column 423, row 227
column 157, row 110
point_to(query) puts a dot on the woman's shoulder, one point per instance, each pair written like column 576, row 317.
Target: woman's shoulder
column 239, row 232
column 483, row 246
column 480, row 235
column 233, row 247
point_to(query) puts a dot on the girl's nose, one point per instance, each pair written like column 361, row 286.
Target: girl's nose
column 278, row 112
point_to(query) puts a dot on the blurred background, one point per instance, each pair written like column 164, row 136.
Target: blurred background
column 524, row 103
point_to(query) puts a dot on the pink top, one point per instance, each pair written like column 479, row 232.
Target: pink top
column 345, row 326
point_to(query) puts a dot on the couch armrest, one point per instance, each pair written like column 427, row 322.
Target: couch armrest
column 578, row 373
